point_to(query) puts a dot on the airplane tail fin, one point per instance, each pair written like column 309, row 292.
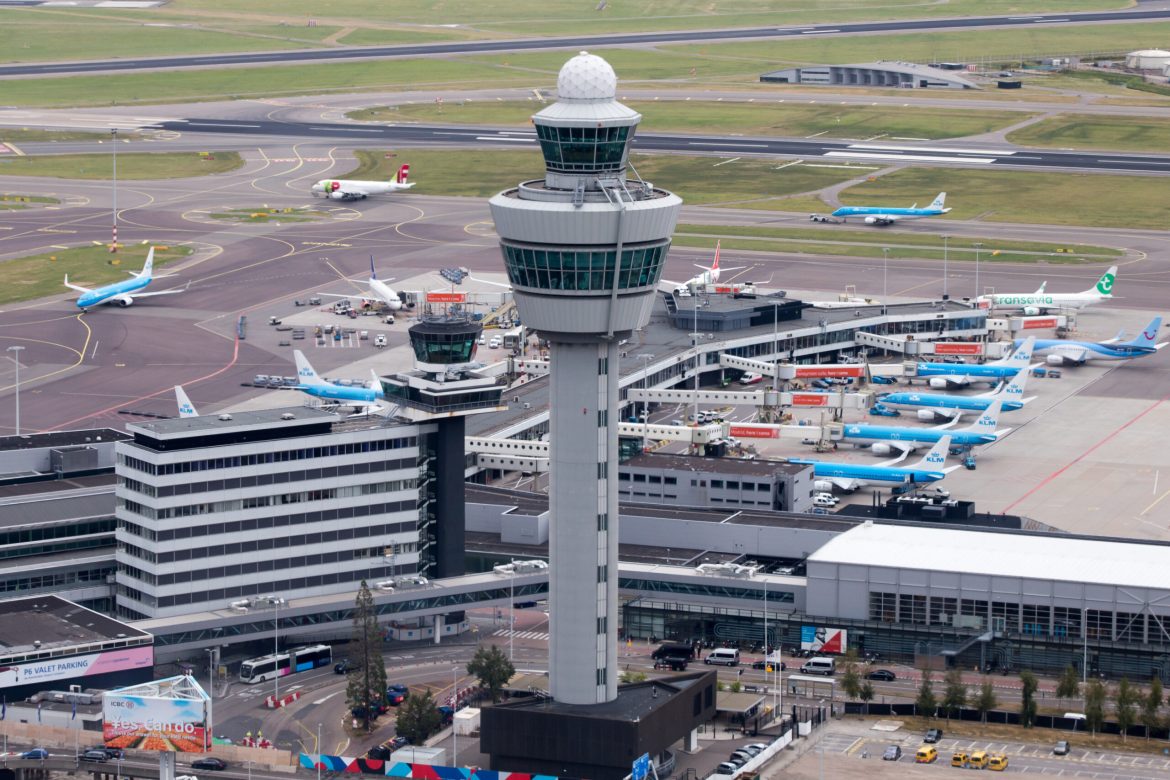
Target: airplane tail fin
column 988, row 421
column 1042, row 286
column 403, row 174
column 937, row 457
column 186, row 409
column 1104, row 286
column 148, row 266
column 939, row 202
column 373, row 273
column 375, row 382
column 1013, row 389
column 305, row 373
column 1022, row 357
column 1148, row 338
column 715, row 265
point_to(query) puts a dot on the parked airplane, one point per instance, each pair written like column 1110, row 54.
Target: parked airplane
column 936, row 407
column 886, row 439
column 881, row 215
column 186, row 409
column 357, row 397
column 850, row 476
column 1075, row 353
column 710, row 275
column 341, row 189
column 378, row 289
column 951, row 375
column 1041, row 302
column 121, row 293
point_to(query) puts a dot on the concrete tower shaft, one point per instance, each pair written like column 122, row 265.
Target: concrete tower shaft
column 584, row 249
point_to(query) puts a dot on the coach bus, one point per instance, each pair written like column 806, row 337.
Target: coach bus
column 300, row 659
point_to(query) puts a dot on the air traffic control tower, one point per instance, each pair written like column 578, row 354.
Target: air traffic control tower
column 584, row 249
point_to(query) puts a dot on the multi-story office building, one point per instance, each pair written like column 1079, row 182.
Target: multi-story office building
column 285, row 502
column 690, row 480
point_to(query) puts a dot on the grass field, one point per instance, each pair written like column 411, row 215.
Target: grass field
column 134, row 166
column 823, row 240
column 788, row 119
column 19, row 135
column 39, row 275
column 1076, row 131
column 1087, row 200
column 268, row 215
column 9, row 198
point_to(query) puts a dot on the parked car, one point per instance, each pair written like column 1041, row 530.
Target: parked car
column 35, row 754
column 209, row 762
column 342, row 667
column 94, row 755
column 885, row 675
column 397, row 741
column 893, row 753
column 111, row 752
column 1062, row 747
column 726, row 768
column 738, row 760
column 932, row 736
column 763, row 664
column 379, row 753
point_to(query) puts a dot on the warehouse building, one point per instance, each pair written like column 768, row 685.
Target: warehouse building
column 871, row 74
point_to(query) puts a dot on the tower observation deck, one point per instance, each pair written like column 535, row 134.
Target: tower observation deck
column 584, row 250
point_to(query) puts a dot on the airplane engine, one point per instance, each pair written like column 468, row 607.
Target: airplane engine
column 1055, row 360
column 1031, row 311
column 881, row 449
column 337, row 195
column 938, row 383
column 871, row 220
column 125, row 300
column 926, row 415
column 822, row 486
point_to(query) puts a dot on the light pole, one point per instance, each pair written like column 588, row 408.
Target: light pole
column 698, row 357
column 276, row 653
column 645, row 386
column 114, row 141
column 885, row 270
column 210, row 672
column 946, row 239
column 318, row 751
column 454, row 712
column 16, row 359
column 775, row 354
column 978, row 248
column 511, row 608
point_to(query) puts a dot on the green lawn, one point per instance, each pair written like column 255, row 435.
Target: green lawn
column 36, row 276
column 823, row 240
column 19, row 135
column 133, row 166
column 10, row 198
column 1077, row 131
column 760, row 118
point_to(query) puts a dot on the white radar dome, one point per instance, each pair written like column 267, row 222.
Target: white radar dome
column 587, row 77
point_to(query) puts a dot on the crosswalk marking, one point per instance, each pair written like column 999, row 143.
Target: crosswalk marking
column 521, row 634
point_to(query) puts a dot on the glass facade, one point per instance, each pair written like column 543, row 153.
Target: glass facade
column 566, row 269
column 583, row 149
column 444, row 348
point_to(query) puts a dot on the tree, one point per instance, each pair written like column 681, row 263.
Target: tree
column 1095, row 706
column 366, row 681
column 1125, row 703
column 418, row 718
column 1069, row 686
column 492, row 668
column 926, row 702
column 986, row 701
column 1151, row 719
column 866, row 694
column 851, row 680
column 955, row 692
column 1029, row 684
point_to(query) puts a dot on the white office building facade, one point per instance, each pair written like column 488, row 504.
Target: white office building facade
column 287, row 503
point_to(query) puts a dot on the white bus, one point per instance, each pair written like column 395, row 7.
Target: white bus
column 300, row 659
column 514, row 338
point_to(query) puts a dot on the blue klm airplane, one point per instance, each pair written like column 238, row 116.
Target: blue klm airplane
column 121, row 293
column 850, row 476
column 885, row 439
column 935, row 406
column 947, row 376
column 1075, row 353
column 882, row 215
column 357, row 397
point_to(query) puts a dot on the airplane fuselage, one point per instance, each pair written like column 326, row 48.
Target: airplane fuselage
column 1085, row 351
column 880, row 433
column 870, row 475
column 1041, row 302
column 112, row 293
column 339, row 393
column 985, row 372
column 961, row 403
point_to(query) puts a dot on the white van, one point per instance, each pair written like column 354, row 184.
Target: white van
column 819, row 665
column 495, row 342
column 825, row 499
column 725, row 656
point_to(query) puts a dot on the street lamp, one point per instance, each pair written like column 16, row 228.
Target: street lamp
column 114, row 141
column 645, row 386
column 511, row 607
column 318, row 751
column 454, row 712
column 885, row 269
column 978, row 247
column 946, row 238
column 210, row 672
column 775, row 348
column 16, row 359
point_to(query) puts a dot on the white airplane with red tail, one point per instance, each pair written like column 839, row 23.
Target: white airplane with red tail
column 341, row 189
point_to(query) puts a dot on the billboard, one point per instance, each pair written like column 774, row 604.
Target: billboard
column 172, row 715
column 1038, row 322
column 446, row 297
column 810, row 399
column 754, row 432
column 820, row 639
column 73, row 667
column 957, row 348
column 830, row 370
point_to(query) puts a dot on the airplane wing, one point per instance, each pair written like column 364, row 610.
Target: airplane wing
column 721, row 268
column 905, row 451
column 946, row 425
column 161, row 292
column 77, row 287
column 363, row 294
column 845, row 483
column 1159, row 346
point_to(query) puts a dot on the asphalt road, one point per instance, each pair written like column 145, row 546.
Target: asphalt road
column 1000, row 155
column 579, row 42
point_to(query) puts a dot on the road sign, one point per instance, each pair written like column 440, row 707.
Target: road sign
column 641, row 767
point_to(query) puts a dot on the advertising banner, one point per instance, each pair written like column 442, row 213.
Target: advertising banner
column 754, row 432
column 810, row 399
column 957, row 348
column 833, row 371
column 157, row 723
column 820, row 639
column 446, row 297
column 1030, row 323
column 77, row 666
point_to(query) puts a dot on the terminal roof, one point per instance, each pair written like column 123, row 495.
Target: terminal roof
column 55, row 623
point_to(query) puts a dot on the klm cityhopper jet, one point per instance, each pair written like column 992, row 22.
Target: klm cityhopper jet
column 365, row 398
column 121, row 293
column 882, row 216
column 948, row 376
column 936, row 407
column 886, row 439
column 1076, row 353
column 849, row 476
